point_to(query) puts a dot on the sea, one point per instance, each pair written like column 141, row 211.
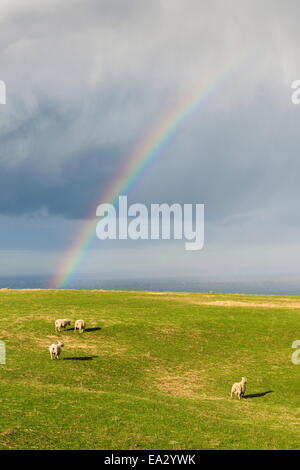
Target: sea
column 159, row 284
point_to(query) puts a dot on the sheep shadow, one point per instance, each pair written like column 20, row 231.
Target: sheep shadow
column 257, row 395
column 87, row 330
column 81, row 358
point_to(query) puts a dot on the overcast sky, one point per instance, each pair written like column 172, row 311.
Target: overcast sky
column 88, row 80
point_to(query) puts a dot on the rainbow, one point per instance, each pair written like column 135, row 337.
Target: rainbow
column 145, row 153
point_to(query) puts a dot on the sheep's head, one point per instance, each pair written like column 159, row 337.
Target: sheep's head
column 244, row 379
column 61, row 345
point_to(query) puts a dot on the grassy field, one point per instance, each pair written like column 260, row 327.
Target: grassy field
column 152, row 371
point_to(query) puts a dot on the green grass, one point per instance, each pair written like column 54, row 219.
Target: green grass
column 151, row 372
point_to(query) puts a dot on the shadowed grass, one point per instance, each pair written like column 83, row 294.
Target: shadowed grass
column 81, row 358
column 257, row 395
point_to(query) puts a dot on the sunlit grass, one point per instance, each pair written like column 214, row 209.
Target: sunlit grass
column 151, row 371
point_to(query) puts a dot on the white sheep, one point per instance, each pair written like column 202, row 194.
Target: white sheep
column 58, row 324
column 55, row 350
column 66, row 322
column 239, row 388
column 80, row 325
column 62, row 323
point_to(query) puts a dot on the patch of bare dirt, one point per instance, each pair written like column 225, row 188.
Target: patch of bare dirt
column 185, row 384
column 204, row 300
column 239, row 303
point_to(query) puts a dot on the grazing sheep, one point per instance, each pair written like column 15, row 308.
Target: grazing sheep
column 80, row 325
column 239, row 388
column 55, row 350
column 66, row 322
column 62, row 323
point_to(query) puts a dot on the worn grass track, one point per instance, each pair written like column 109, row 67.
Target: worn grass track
column 151, row 371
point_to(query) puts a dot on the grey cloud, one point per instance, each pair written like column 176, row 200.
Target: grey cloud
column 87, row 80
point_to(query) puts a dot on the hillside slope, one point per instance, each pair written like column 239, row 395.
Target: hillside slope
column 152, row 371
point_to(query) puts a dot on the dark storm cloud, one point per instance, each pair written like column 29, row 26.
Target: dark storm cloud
column 87, row 80
column 31, row 177
column 86, row 83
